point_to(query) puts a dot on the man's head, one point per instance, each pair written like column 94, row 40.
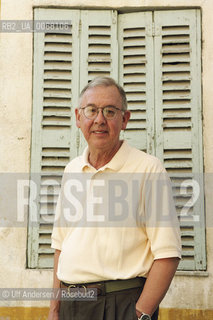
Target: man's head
column 105, row 82
column 102, row 114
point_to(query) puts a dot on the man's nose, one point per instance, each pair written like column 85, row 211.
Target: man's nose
column 100, row 117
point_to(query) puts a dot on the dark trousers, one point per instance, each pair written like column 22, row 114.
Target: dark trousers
column 118, row 305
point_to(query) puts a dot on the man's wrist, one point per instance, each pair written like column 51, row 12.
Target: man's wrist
column 142, row 316
column 54, row 305
column 138, row 313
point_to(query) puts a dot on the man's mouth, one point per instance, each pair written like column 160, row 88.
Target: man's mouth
column 98, row 131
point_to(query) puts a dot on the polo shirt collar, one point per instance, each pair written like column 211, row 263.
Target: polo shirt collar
column 114, row 164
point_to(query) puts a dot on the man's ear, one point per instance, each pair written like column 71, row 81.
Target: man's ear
column 126, row 117
column 77, row 118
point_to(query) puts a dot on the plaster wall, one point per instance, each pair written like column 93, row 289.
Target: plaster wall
column 16, row 53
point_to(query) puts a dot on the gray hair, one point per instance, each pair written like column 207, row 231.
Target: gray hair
column 105, row 82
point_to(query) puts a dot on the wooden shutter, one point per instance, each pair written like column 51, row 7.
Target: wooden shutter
column 55, row 91
column 99, row 56
column 159, row 67
column 63, row 62
column 178, row 121
column 136, row 76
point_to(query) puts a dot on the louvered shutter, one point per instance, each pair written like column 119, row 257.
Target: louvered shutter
column 178, row 122
column 159, row 67
column 136, row 76
column 99, row 56
column 55, row 92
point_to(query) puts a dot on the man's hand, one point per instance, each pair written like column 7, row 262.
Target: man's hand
column 157, row 284
column 138, row 313
column 55, row 304
column 53, row 315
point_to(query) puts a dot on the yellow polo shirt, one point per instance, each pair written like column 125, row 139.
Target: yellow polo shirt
column 111, row 223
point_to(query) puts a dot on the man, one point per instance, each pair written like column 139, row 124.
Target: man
column 131, row 266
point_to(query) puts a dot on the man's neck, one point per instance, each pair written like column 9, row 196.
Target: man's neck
column 99, row 158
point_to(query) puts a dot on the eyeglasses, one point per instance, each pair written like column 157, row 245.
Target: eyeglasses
column 108, row 112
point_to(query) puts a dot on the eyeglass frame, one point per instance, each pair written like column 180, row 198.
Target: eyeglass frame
column 102, row 110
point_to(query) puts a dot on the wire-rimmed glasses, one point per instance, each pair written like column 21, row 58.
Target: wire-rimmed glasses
column 109, row 112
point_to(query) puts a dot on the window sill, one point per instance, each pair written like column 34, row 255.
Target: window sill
column 192, row 273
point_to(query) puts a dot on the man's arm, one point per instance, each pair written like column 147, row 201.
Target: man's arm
column 54, row 304
column 157, row 284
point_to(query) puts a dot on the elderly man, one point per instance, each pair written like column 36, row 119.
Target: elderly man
column 130, row 266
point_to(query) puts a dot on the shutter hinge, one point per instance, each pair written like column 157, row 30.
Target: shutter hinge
column 114, row 17
column 77, row 140
column 80, row 26
column 156, row 30
column 150, row 30
column 153, row 29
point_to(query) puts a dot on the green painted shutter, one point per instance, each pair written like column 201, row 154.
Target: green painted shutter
column 178, row 122
column 63, row 64
column 99, row 56
column 159, row 67
column 136, row 76
column 55, row 93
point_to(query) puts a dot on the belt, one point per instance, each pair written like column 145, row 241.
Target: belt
column 104, row 287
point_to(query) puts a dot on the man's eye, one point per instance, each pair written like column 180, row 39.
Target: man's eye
column 91, row 109
column 110, row 112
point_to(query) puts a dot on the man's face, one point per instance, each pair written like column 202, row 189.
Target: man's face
column 101, row 133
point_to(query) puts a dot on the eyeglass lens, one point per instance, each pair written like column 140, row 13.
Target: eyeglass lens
column 91, row 112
